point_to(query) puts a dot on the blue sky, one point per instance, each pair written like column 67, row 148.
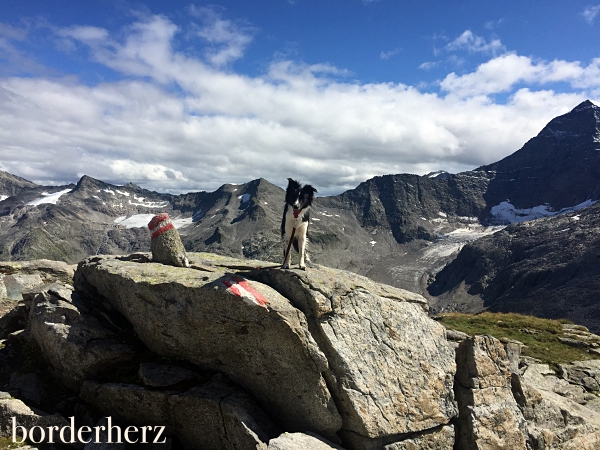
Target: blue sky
column 188, row 96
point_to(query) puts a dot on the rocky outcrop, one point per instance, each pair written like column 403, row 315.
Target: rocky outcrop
column 322, row 350
column 489, row 416
column 231, row 353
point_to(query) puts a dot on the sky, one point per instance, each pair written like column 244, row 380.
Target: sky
column 178, row 96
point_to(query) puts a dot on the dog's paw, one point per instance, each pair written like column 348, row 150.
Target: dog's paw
column 285, row 266
column 302, row 267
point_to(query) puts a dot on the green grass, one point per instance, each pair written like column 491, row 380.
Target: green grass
column 6, row 443
column 543, row 345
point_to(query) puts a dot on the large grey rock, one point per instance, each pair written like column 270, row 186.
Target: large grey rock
column 489, row 416
column 222, row 321
column 391, row 368
column 216, row 415
column 72, row 340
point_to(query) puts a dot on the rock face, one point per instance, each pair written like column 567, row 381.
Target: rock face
column 489, row 416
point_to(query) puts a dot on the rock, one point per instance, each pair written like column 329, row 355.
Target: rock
column 454, row 335
column 24, row 416
column 574, row 343
column 17, row 283
column 584, row 373
column 29, row 387
column 163, row 376
column 49, row 271
column 15, row 319
column 541, row 376
column 72, row 340
column 216, row 415
column 556, row 422
column 489, row 417
column 442, row 439
column 166, row 244
column 390, row 366
column 301, row 441
column 553, row 407
column 223, row 322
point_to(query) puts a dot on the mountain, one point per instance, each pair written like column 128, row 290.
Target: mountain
column 398, row 229
column 547, row 268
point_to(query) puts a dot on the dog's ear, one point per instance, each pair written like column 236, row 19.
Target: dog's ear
column 293, row 183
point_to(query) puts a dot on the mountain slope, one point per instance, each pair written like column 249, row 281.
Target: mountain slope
column 548, row 268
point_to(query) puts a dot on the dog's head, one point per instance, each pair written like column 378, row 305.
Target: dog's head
column 299, row 197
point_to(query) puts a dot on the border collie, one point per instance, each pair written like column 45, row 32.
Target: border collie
column 298, row 200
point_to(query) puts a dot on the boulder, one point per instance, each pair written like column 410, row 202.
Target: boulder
column 223, row 321
column 73, row 341
column 391, row 368
column 489, row 416
column 216, row 415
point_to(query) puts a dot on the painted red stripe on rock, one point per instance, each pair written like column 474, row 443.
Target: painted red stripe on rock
column 246, row 285
column 156, row 220
column 162, row 229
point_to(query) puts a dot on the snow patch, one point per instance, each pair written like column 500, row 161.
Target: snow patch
column 3, row 197
column 109, row 191
column 373, row 243
column 142, row 220
column 150, row 204
column 506, row 213
column 122, row 193
column 49, row 198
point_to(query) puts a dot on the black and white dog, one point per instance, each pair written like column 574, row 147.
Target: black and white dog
column 298, row 200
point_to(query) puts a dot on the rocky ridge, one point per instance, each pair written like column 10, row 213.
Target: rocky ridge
column 239, row 354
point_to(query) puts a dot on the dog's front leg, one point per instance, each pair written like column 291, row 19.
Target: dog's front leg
column 287, row 256
column 302, row 250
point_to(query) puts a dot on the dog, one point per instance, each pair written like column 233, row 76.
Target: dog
column 298, row 200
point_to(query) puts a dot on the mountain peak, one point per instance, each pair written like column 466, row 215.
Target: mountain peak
column 583, row 106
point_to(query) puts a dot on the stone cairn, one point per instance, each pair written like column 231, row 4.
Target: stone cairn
column 165, row 243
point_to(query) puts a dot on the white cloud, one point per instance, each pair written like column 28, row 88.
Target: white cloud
column 228, row 39
column 389, row 54
column 298, row 120
column 590, row 13
column 502, row 73
column 475, row 44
